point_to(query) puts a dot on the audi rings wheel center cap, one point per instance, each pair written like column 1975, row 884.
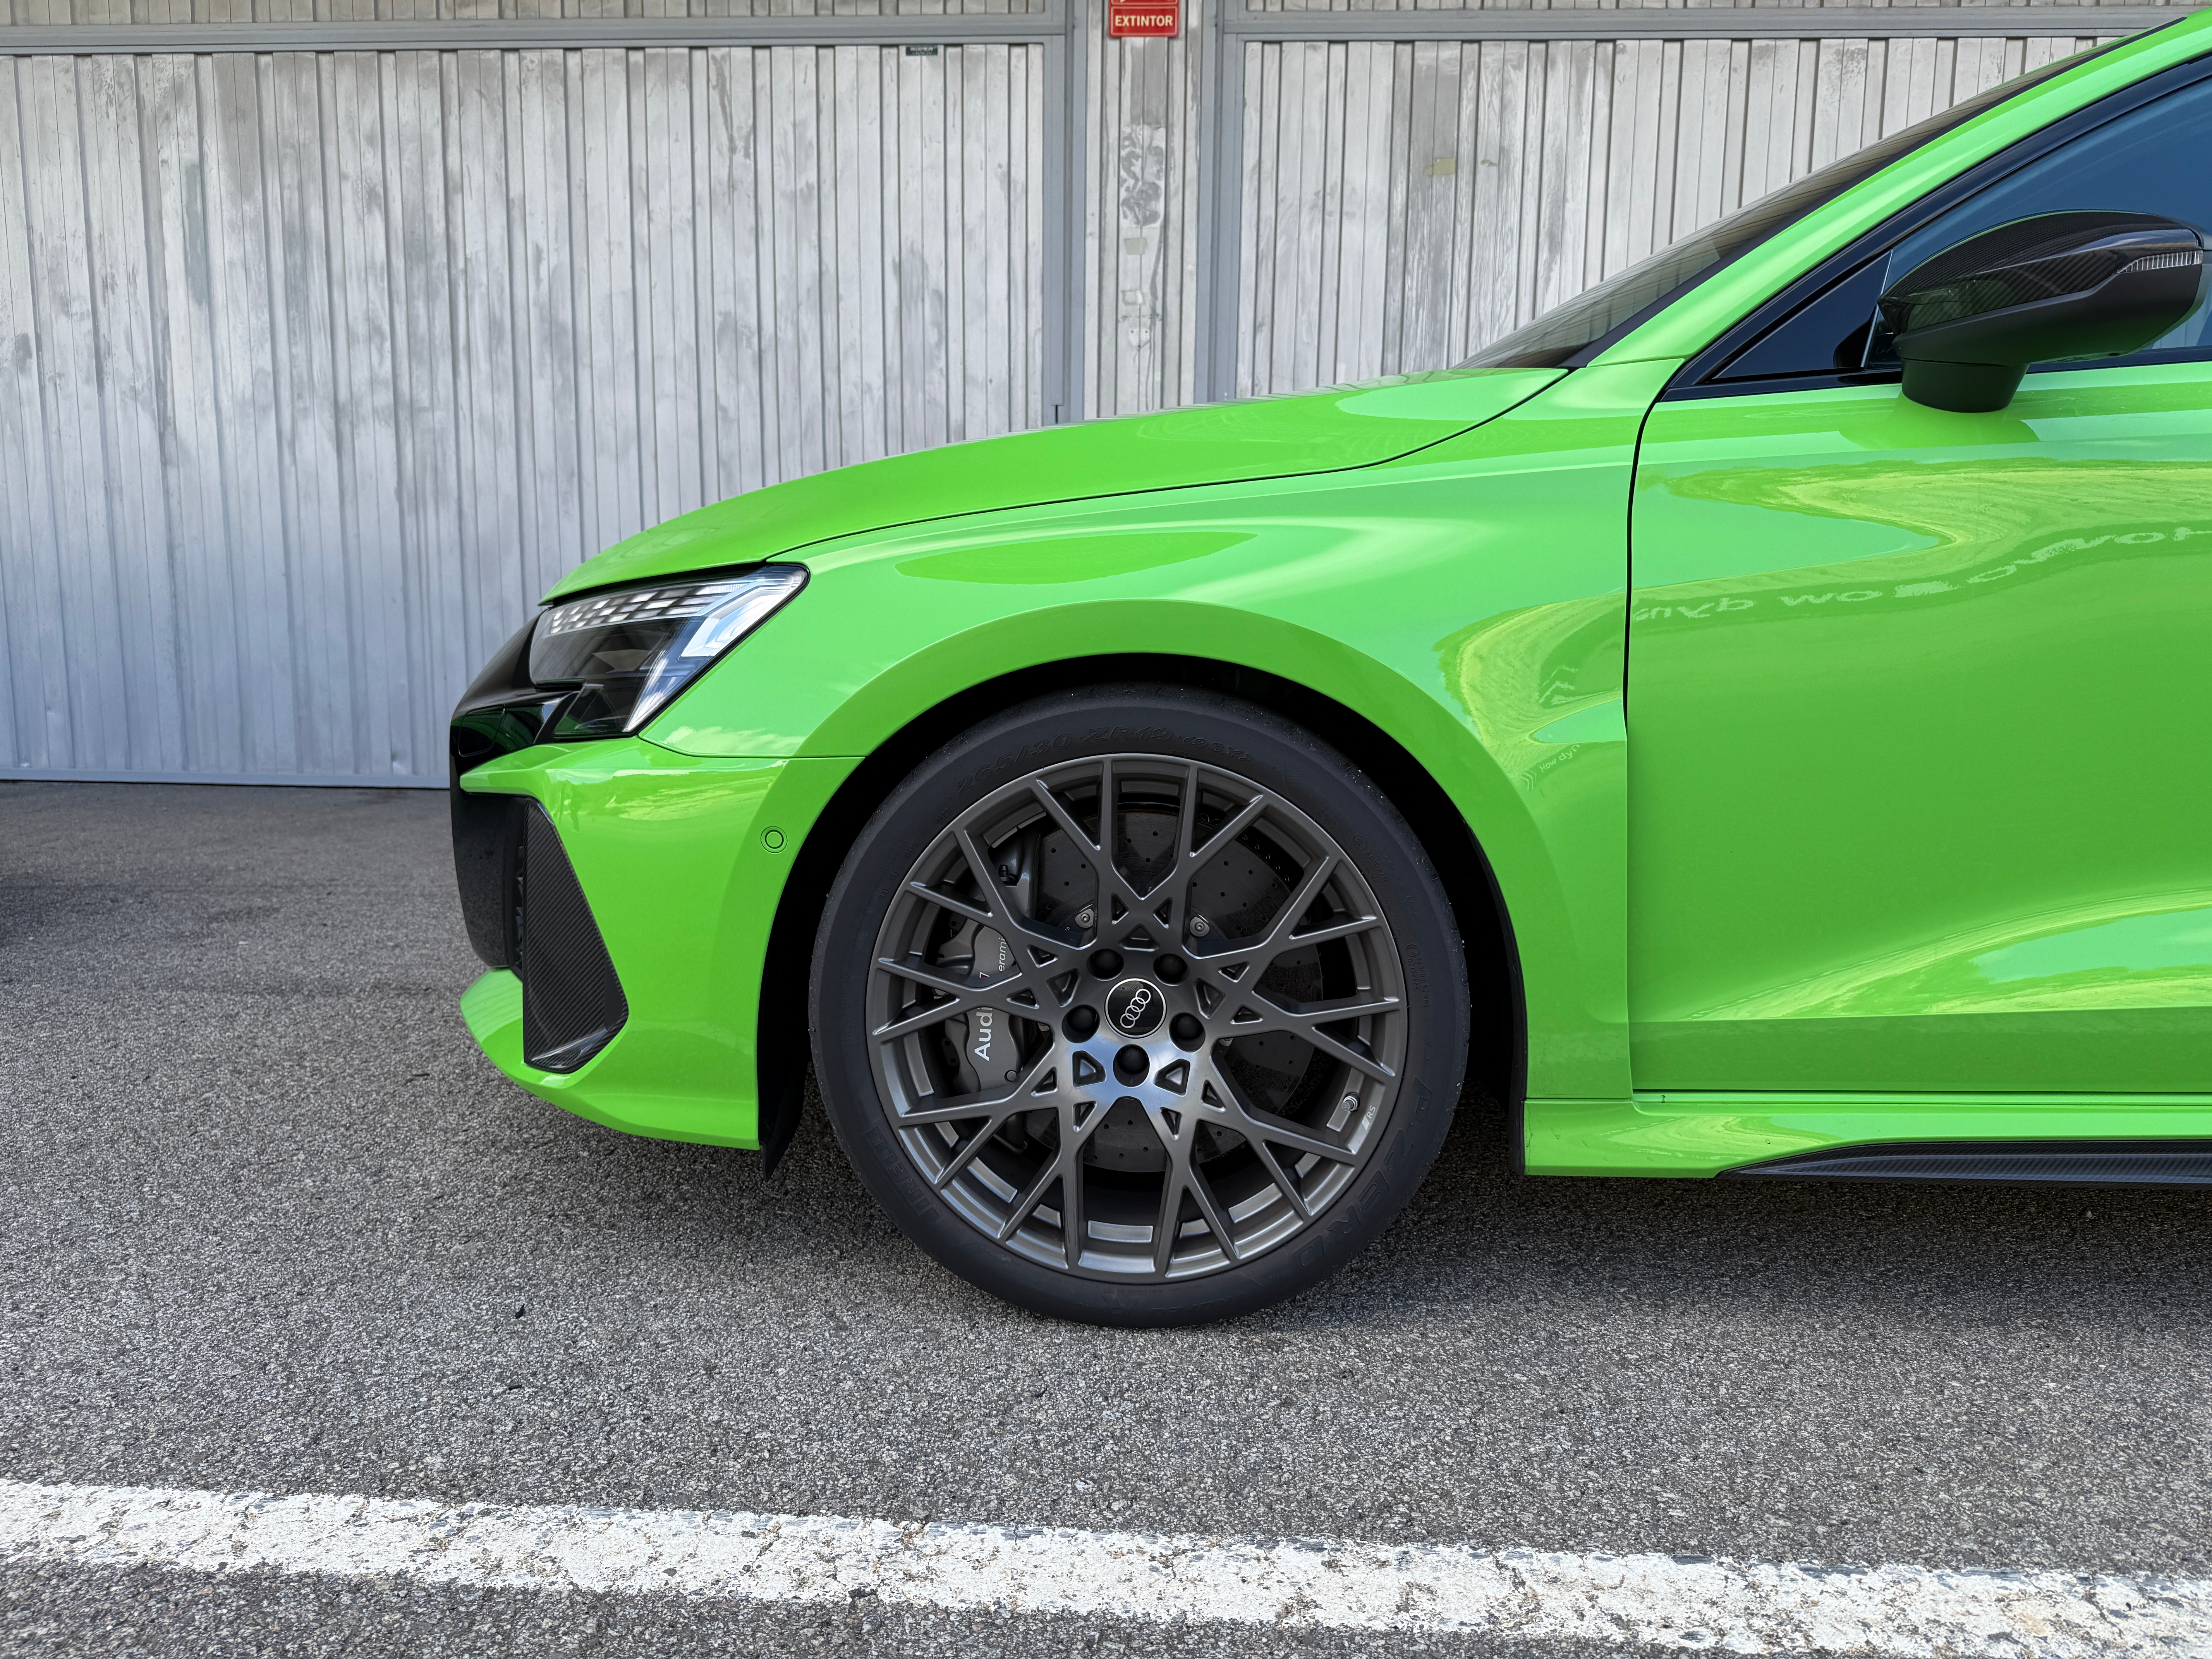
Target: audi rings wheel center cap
column 1134, row 1008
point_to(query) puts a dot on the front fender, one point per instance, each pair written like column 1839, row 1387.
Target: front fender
column 1470, row 600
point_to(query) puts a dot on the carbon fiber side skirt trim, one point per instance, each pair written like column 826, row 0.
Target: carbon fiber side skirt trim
column 2035, row 1162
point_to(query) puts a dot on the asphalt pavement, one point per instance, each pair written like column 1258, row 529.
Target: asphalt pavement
column 268, row 1221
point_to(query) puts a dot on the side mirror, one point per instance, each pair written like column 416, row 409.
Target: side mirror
column 1968, row 322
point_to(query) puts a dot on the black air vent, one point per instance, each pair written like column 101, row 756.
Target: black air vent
column 487, row 831
column 571, row 1002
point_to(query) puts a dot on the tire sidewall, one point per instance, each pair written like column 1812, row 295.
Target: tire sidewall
column 1193, row 724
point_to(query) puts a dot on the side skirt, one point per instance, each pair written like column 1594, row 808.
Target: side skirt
column 2045, row 1164
column 1710, row 1133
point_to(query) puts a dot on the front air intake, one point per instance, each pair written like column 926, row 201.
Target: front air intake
column 572, row 1000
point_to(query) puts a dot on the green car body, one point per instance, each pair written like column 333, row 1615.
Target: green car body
column 1829, row 770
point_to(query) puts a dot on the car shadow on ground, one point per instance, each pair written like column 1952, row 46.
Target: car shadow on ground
column 1478, row 1231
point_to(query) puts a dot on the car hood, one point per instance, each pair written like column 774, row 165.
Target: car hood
column 1217, row 443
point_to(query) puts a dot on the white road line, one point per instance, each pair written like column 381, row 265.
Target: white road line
column 1736, row 1607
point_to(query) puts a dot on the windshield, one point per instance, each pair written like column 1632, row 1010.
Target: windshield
column 1568, row 331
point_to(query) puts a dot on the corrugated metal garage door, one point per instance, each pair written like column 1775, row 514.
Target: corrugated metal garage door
column 322, row 366
column 1143, row 292
column 1402, row 201
column 320, row 358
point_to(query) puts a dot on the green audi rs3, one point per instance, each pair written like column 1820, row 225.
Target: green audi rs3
column 1755, row 720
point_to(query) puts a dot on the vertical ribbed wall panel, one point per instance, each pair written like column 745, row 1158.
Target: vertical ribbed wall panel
column 350, row 11
column 1404, row 202
column 1635, row 5
column 1140, row 217
column 319, row 368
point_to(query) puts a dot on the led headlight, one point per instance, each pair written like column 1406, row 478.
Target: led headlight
column 626, row 654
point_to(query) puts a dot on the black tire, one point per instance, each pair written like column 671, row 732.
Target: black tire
column 1280, row 1130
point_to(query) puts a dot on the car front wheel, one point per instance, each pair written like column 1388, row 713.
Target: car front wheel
column 1139, row 1006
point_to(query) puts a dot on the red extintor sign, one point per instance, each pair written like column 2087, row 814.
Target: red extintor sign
column 1140, row 19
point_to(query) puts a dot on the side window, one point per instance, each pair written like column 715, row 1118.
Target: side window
column 2152, row 160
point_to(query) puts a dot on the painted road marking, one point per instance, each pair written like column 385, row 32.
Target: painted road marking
column 1751, row 1607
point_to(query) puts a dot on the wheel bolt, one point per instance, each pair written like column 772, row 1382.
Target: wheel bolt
column 1171, row 970
column 1105, row 963
column 1131, row 1065
column 1079, row 1024
column 1187, row 1031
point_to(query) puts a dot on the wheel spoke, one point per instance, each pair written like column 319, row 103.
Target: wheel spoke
column 1017, row 929
column 1031, row 1195
column 1111, row 883
column 1249, row 957
column 961, row 1159
column 1265, row 1154
column 1241, row 820
column 1216, row 1223
column 985, row 878
column 929, row 973
column 946, row 901
column 1304, row 1021
column 1060, row 816
column 1107, row 811
column 1167, row 1221
column 920, row 1019
column 1366, row 1065
column 1235, row 1110
column 1021, row 1095
column 1178, row 875
column 1188, row 861
column 965, row 1106
column 1274, row 1016
column 1074, row 1219
column 1330, row 930
column 1183, row 1176
column 999, row 995
column 1300, row 901
column 1281, row 1132
column 1167, row 1225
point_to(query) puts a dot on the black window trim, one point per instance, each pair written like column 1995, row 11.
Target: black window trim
column 1696, row 378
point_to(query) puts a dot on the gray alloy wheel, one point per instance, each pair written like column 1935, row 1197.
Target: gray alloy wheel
column 1135, row 1018
column 1146, row 1064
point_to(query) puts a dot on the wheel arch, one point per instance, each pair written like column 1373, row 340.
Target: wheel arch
column 1498, row 1048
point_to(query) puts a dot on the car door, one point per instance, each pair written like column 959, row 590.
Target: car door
column 1920, row 703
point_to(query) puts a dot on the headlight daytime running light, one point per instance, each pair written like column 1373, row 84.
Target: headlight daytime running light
column 626, row 654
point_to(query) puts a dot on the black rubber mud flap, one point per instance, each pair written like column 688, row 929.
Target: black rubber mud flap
column 782, row 1097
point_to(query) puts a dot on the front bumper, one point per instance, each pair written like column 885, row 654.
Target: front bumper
column 679, row 863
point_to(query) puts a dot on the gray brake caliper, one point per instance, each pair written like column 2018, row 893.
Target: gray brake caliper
column 987, row 1052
